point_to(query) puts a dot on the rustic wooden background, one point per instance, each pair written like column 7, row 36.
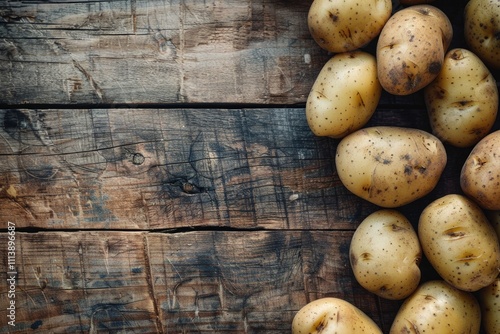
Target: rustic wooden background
column 156, row 160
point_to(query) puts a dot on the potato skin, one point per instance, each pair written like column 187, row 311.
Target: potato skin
column 341, row 26
column 411, row 48
column 344, row 96
column 385, row 255
column 332, row 315
column 480, row 174
column 437, row 307
column 462, row 102
column 482, row 30
column 390, row 166
column 459, row 242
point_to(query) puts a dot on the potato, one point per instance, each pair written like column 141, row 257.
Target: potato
column 411, row 48
column 344, row 96
column 437, row 307
column 489, row 300
column 462, row 102
column 390, row 166
column 340, row 26
column 480, row 174
column 385, row 255
column 331, row 315
column 459, row 242
column 482, row 30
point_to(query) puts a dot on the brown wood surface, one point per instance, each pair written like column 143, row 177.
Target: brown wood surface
column 156, row 51
column 156, row 161
column 164, row 169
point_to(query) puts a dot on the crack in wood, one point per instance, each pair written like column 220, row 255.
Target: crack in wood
column 99, row 92
column 151, row 287
column 133, row 12
column 81, row 257
column 181, row 95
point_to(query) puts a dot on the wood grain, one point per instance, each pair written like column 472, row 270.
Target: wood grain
column 194, row 282
column 116, row 52
column 80, row 283
column 163, row 169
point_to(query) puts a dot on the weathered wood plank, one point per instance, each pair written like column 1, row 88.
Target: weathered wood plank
column 161, row 169
column 156, row 52
column 79, row 283
column 205, row 281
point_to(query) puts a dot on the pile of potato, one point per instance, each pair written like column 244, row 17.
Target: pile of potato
column 392, row 166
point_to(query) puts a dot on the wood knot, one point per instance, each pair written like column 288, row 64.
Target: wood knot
column 138, row 159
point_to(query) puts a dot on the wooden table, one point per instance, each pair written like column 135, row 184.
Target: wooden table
column 159, row 172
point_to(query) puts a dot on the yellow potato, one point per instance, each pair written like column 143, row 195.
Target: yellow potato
column 480, row 174
column 385, row 255
column 390, row 166
column 411, row 48
column 437, row 307
column 489, row 300
column 482, row 30
column 332, row 315
column 340, row 26
column 344, row 96
column 462, row 102
column 459, row 242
